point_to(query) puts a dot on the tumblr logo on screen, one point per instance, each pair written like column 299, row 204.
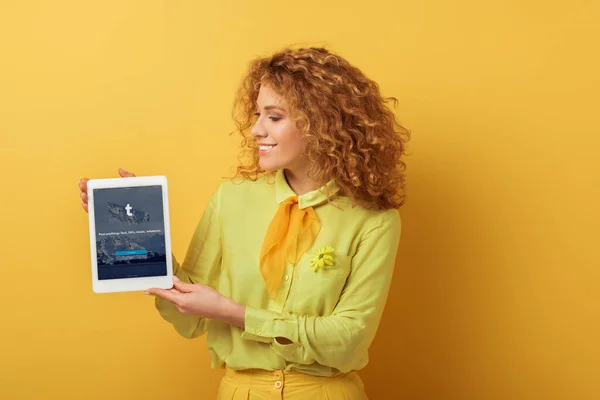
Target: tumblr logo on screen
column 127, row 214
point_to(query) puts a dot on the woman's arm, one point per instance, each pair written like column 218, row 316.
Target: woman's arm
column 340, row 339
column 202, row 264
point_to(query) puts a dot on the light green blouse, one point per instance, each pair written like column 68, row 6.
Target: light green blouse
column 330, row 314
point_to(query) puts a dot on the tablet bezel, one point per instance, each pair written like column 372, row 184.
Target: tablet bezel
column 129, row 284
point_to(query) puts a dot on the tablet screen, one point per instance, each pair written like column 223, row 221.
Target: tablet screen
column 130, row 236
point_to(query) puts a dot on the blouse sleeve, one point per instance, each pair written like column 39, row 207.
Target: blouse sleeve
column 202, row 264
column 341, row 339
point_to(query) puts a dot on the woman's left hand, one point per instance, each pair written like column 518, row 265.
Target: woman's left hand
column 201, row 300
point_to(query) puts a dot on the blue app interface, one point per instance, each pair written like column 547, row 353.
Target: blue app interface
column 130, row 236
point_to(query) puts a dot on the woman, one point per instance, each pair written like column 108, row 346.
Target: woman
column 289, row 268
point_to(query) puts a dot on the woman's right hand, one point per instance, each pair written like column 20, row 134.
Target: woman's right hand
column 83, row 187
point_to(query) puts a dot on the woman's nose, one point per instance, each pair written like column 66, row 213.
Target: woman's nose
column 257, row 130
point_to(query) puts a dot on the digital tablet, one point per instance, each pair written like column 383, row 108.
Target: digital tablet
column 130, row 240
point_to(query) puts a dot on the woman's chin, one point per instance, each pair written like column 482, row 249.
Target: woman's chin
column 268, row 166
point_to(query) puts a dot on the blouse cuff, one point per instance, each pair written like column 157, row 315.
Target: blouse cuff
column 265, row 326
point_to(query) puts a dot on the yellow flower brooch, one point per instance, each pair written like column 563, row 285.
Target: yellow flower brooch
column 323, row 258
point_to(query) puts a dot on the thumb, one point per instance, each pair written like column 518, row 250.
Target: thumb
column 125, row 174
column 182, row 287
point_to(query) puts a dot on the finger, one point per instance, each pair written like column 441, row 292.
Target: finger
column 182, row 287
column 181, row 310
column 125, row 174
column 85, row 206
column 83, row 184
column 175, row 290
column 172, row 290
column 84, row 197
column 171, row 296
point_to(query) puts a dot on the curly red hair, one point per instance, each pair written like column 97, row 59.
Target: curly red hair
column 351, row 136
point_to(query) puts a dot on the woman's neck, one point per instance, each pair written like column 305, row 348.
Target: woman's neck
column 300, row 183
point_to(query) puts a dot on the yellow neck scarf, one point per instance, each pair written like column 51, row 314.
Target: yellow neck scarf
column 291, row 233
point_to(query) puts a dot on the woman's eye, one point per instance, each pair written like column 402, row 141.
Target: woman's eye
column 272, row 118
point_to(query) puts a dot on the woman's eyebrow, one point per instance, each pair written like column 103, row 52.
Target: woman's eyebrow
column 272, row 107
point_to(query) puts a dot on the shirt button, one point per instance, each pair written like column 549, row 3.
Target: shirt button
column 278, row 385
column 287, row 277
column 258, row 333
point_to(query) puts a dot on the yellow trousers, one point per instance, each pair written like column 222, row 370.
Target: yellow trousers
column 256, row 384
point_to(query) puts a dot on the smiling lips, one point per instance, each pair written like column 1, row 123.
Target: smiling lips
column 265, row 148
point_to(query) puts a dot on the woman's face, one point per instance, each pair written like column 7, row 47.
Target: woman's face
column 280, row 144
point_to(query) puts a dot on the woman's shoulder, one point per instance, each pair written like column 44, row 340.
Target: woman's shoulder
column 361, row 220
column 245, row 190
column 346, row 205
column 386, row 219
column 240, row 184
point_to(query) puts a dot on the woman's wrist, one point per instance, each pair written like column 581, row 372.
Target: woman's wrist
column 232, row 313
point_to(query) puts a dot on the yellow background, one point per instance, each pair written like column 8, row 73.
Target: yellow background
column 496, row 292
